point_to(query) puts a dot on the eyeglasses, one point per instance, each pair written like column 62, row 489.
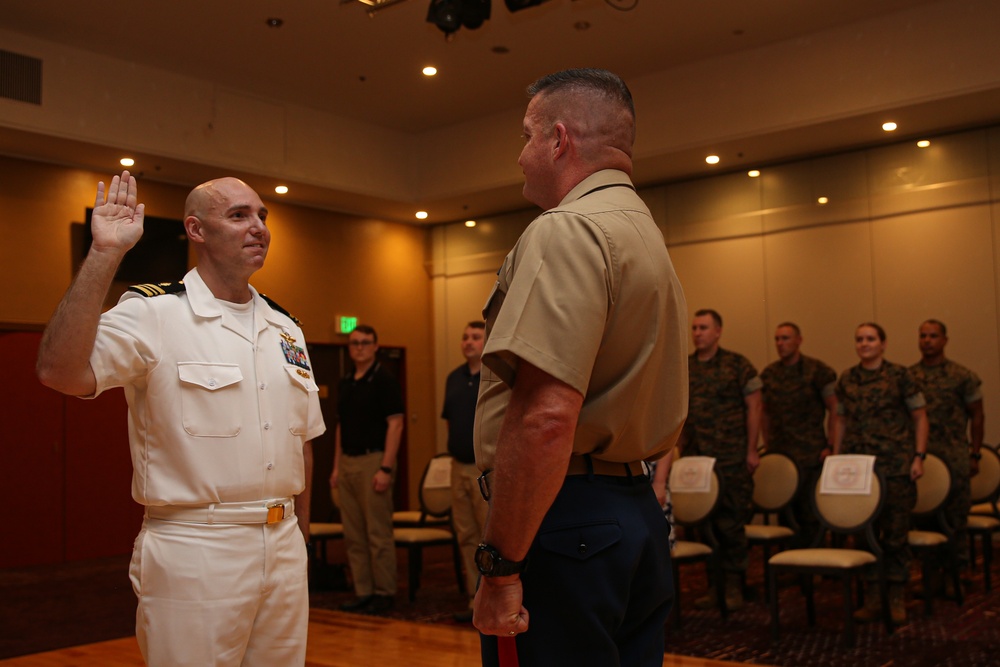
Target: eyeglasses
column 361, row 343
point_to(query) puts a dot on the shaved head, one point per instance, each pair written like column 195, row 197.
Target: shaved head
column 200, row 200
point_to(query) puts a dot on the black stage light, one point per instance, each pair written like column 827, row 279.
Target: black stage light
column 450, row 15
column 474, row 12
column 517, row 5
column 445, row 14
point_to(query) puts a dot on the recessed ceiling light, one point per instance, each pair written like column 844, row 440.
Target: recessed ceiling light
column 923, row 143
column 822, row 200
column 753, row 173
column 712, row 159
column 281, row 189
column 429, row 70
column 421, row 215
column 275, row 22
column 127, row 162
column 889, row 126
column 470, row 223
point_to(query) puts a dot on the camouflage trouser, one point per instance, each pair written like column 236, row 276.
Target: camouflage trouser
column 892, row 526
column 733, row 513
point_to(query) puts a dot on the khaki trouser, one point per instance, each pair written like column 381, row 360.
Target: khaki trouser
column 367, row 519
column 468, row 516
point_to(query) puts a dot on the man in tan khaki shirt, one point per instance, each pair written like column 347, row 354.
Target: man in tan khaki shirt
column 584, row 378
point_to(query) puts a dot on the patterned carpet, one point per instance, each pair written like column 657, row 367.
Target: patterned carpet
column 43, row 608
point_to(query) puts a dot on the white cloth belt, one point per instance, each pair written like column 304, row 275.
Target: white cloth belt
column 250, row 511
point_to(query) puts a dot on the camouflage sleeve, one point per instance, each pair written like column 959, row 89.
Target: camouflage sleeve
column 911, row 389
column 748, row 377
column 973, row 389
column 841, row 395
column 824, row 379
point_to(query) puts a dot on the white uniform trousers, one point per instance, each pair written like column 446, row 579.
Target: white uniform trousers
column 221, row 594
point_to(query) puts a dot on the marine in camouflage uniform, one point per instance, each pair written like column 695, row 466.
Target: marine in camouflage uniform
column 877, row 406
column 954, row 397
column 717, row 426
column 796, row 397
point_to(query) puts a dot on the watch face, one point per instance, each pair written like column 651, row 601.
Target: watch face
column 484, row 559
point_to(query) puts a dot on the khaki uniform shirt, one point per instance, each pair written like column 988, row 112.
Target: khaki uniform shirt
column 216, row 413
column 589, row 296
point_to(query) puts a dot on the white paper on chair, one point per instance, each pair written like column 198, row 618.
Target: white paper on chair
column 691, row 474
column 848, row 474
column 438, row 473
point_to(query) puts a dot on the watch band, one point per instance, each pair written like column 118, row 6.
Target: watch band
column 492, row 564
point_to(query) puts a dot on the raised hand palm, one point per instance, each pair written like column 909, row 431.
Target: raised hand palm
column 116, row 222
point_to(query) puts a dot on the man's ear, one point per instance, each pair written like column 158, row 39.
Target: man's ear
column 562, row 141
column 192, row 225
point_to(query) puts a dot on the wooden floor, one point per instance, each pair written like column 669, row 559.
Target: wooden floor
column 335, row 640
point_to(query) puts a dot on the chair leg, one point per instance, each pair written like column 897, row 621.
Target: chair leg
column 415, row 556
column 456, row 554
column 772, row 595
column 807, row 586
column 849, row 633
column 925, row 570
column 675, row 613
column 988, row 560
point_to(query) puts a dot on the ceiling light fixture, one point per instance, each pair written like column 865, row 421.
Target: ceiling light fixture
column 712, row 159
column 470, row 223
column 822, row 200
column 450, row 15
column 429, row 70
column 126, row 162
column 753, row 173
column 281, row 189
column 421, row 215
column 923, row 143
column 889, row 126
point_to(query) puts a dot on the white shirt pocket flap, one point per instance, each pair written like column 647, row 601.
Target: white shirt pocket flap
column 209, row 376
column 302, row 377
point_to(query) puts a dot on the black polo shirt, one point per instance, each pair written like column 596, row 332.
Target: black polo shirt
column 460, row 394
column 362, row 408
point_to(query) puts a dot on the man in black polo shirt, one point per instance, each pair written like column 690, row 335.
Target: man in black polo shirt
column 369, row 429
column 468, row 509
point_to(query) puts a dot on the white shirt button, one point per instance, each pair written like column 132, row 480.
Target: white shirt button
column 270, row 466
column 267, row 426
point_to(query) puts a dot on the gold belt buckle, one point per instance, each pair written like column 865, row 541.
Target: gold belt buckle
column 275, row 512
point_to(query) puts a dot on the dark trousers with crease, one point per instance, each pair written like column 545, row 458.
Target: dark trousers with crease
column 598, row 587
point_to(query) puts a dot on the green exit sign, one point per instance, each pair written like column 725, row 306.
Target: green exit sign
column 345, row 324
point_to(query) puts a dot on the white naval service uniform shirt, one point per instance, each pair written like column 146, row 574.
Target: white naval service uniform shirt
column 215, row 414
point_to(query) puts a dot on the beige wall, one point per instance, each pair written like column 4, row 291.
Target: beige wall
column 320, row 264
column 908, row 234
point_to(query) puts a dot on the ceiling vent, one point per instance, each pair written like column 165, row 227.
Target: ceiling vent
column 20, row 77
